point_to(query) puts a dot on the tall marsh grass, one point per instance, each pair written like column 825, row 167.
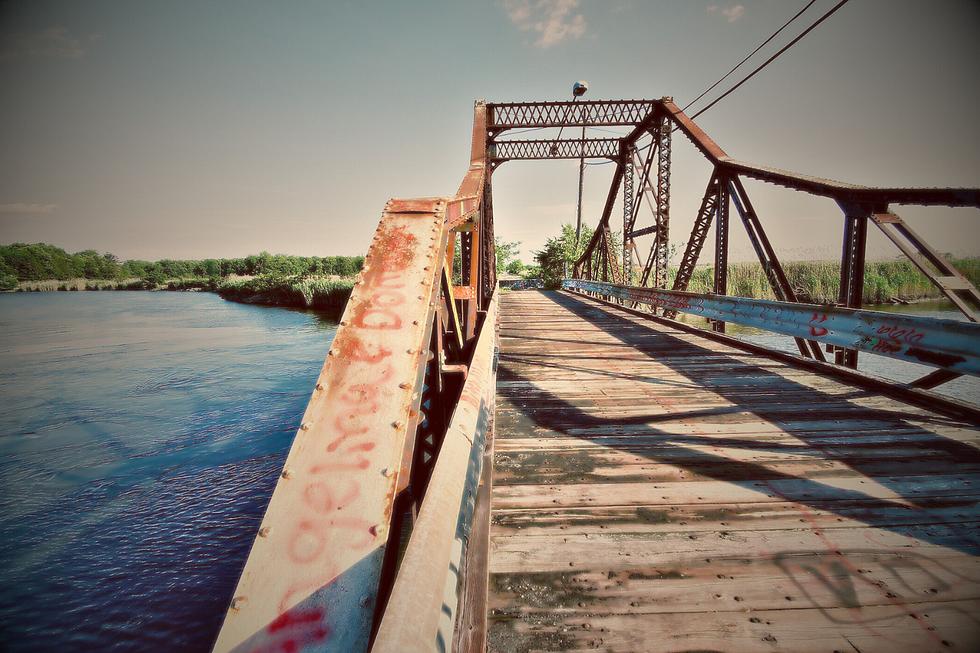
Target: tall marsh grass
column 324, row 293
column 819, row 281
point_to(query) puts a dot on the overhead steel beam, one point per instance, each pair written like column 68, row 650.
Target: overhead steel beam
column 581, row 113
column 947, row 344
column 590, row 148
column 816, row 185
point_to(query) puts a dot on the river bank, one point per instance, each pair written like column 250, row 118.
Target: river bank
column 325, row 293
column 886, row 282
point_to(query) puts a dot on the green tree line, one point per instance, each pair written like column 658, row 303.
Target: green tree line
column 37, row 261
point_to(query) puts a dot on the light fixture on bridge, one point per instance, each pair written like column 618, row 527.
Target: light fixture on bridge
column 579, row 88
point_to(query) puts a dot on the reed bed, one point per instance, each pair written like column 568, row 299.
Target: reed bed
column 322, row 293
column 819, row 281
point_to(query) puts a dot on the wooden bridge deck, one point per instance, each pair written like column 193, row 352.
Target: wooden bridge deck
column 657, row 491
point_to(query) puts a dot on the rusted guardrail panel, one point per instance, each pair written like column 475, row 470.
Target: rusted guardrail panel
column 946, row 344
column 311, row 577
column 421, row 611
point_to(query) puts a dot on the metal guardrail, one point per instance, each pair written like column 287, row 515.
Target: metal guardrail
column 946, row 344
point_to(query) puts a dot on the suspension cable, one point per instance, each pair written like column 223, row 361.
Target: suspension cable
column 773, row 57
column 749, row 56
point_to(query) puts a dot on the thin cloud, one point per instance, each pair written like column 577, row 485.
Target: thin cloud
column 52, row 42
column 551, row 21
column 731, row 13
column 22, row 208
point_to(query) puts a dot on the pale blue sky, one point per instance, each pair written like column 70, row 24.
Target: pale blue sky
column 189, row 130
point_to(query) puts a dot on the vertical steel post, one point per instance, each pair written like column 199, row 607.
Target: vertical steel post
column 852, row 268
column 628, row 217
column 663, row 204
column 581, row 182
column 721, row 245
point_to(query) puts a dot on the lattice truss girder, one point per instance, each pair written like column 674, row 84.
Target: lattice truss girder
column 590, row 148
column 657, row 198
column 600, row 113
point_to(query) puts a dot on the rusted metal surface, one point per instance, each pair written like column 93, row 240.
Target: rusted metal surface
column 420, row 615
column 956, row 287
column 655, row 490
column 587, row 113
column 311, row 578
column 590, row 148
column 947, row 344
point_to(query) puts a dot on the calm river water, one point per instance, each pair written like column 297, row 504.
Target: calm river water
column 140, row 439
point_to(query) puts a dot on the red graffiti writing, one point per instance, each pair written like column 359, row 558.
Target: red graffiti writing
column 294, row 630
column 899, row 334
column 817, row 331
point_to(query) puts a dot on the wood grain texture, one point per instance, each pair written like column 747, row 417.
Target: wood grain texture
column 656, row 491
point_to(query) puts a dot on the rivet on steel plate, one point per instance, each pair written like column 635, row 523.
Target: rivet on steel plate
column 364, row 601
column 332, row 352
column 264, row 531
column 304, row 426
column 319, row 386
column 415, row 322
column 237, row 602
column 404, row 385
column 409, row 351
column 287, row 473
column 397, row 424
column 344, row 323
column 387, row 473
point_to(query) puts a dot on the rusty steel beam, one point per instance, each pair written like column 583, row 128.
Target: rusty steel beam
column 957, row 288
column 773, row 269
column 567, row 148
column 852, row 260
column 314, row 567
column 420, row 615
column 586, row 113
column 597, row 235
column 838, row 190
column 699, row 232
column 721, row 245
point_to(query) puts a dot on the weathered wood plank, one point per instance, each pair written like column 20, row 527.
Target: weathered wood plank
column 657, row 491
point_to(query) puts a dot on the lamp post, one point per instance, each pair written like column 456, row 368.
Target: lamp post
column 578, row 90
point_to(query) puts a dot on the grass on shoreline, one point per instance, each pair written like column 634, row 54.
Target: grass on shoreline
column 818, row 281
column 814, row 281
column 323, row 293
column 317, row 292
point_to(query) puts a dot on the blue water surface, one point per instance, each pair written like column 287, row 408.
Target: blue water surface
column 140, row 439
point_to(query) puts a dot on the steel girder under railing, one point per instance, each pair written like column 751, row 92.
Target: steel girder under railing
column 407, row 376
column 947, row 344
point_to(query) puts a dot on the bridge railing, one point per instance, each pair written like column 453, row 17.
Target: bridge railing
column 643, row 171
column 407, row 383
column 946, row 344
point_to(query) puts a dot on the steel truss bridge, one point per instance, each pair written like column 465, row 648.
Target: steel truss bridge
column 577, row 469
